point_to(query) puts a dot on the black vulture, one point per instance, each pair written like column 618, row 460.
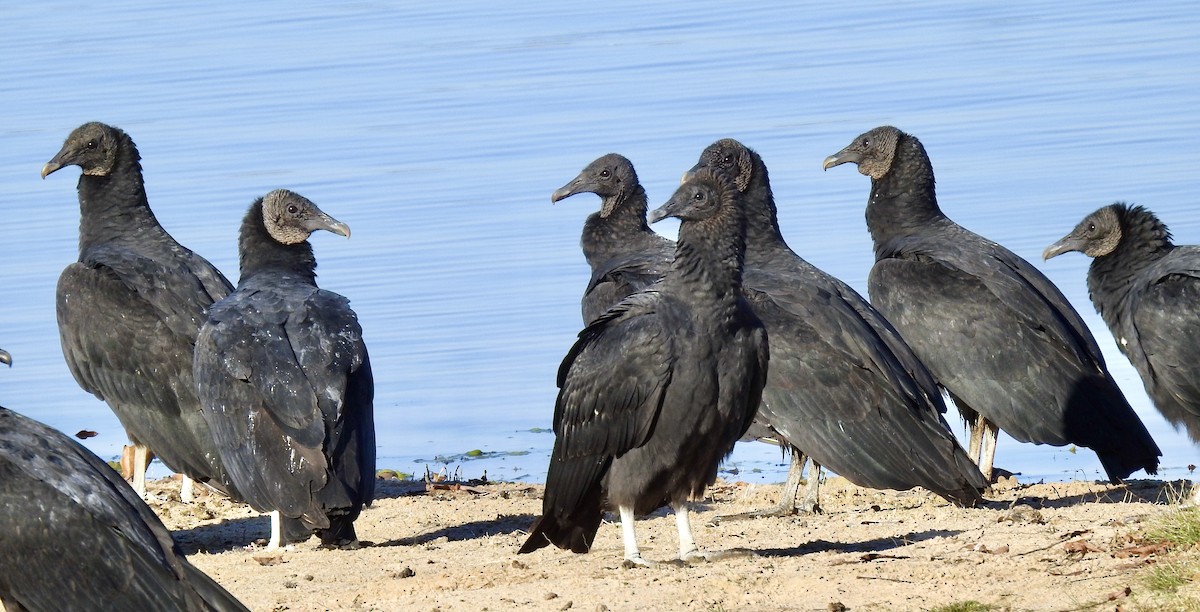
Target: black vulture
column 75, row 536
column 130, row 309
column 658, row 389
column 285, row 381
column 624, row 253
column 996, row 333
column 1147, row 290
column 844, row 388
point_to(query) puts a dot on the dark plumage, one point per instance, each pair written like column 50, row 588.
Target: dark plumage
column 130, row 309
column 624, row 253
column 1148, row 292
column 657, row 390
column 844, row 388
column 995, row 332
column 285, row 381
column 75, row 536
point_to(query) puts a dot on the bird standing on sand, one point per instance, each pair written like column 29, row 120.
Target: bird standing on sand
column 656, row 391
column 130, row 309
column 285, row 381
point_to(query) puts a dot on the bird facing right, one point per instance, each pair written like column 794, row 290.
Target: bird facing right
column 995, row 332
column 657, row 390
column 1147, row 290
column 285, row 382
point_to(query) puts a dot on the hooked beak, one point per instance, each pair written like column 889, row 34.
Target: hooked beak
column 840, row 158
column 329, row 224
column 1066, row 244
column 51, row 167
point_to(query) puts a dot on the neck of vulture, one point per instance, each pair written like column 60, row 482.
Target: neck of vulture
column 260, row 253
column 114, row 208
column 618, row 233
column 709, row 256
column 763, row 237
column 1112, row 277
column 903, row 200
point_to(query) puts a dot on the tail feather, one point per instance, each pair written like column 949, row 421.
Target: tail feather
column 340, row 533
column 572, row 507
column 574, row 536
column 1119, row 465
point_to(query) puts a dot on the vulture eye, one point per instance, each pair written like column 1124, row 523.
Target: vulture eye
column 866, row 142
column 604, row 173
column 91, row 144
column 292, row 209
column 1091, row 227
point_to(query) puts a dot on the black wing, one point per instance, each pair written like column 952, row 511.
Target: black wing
column 623, row 275
column 612, row 381
column 1165, row 319
column 77, row 534
column 128, row 323
column 847, row 391
column 282, row 375
column 611, row 388
column 1001, row 338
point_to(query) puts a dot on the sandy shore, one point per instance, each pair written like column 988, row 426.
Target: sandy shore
column 1051, row 546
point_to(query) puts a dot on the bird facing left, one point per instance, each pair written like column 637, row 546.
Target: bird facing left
column 130, row 308
column 657, row 390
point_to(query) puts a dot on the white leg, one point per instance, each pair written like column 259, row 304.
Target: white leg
column 632, row 554
column 687, row 544
column 276, row 531
column 987, row 452
column 187, row 488
column 140, row 459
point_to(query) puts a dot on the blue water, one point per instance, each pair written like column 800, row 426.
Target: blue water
column 437, row 132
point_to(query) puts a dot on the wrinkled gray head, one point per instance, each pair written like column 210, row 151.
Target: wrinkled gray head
column 731, row 156
column 700, row 197
column 94, row 147
column 610, row 176
column 290, row 217
column 873, row 151
column 1096, row 236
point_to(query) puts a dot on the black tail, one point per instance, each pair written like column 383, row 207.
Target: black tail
column 577, row 537
column 294, row 530
column 1120, row 464
column 340, row 533
column 1099, row 418
column 572, row 506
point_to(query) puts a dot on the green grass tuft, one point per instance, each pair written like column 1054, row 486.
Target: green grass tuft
column 1180, row 527
column 1167, row 576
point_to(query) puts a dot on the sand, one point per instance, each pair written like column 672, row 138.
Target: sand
column 1046, row 546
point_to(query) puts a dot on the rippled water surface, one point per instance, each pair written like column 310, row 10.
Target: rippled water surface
column 438, row 130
